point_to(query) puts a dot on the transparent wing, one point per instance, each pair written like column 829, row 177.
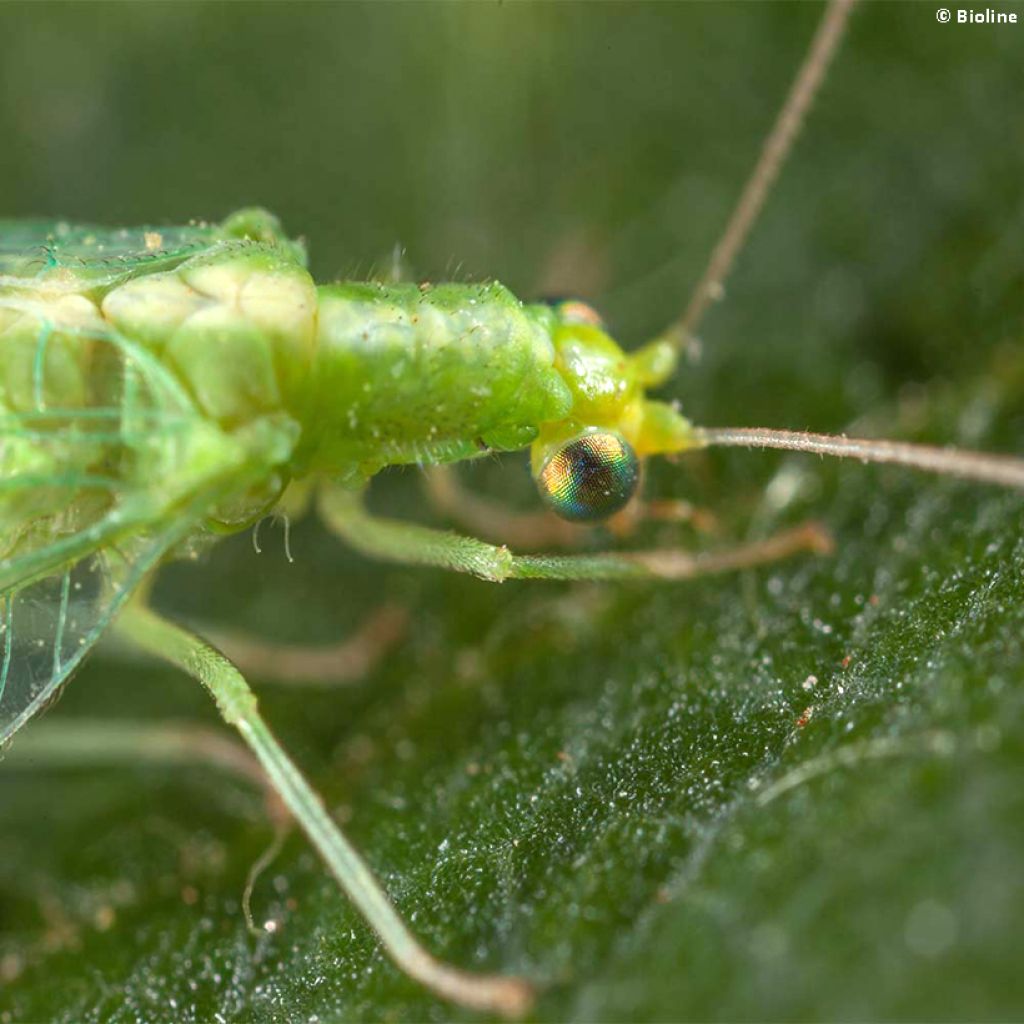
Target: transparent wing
column 47, row 627
column 92, row 429
column 105, row 465
column 33, row 249
column 85, row 257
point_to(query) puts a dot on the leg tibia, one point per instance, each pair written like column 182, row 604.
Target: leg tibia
column 237, row 703
column 315, row 664
column 396, row 541
column 489, row 519
column 74, row 742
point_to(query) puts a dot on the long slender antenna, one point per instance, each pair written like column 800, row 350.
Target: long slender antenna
column 773, row 154
column 1004, row 470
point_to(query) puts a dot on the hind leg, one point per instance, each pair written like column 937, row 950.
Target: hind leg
column 237, row 703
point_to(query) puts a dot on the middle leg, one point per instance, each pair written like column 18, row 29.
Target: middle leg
column 348, row 661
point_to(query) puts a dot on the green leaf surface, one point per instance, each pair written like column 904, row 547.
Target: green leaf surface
column 789, row 794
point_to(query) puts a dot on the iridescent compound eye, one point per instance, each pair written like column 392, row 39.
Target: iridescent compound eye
column 591, row 477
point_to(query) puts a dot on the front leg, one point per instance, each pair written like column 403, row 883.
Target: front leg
column 490, row 519
column 345, row 514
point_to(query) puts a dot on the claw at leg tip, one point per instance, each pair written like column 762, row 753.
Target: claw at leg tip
column 515, row 998
column 819, row 539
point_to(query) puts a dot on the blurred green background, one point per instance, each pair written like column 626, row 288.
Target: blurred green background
column 618, row 791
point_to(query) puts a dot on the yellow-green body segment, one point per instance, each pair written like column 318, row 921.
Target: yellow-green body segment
column 158, row 386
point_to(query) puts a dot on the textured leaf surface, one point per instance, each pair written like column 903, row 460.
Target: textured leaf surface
column 791, row 794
